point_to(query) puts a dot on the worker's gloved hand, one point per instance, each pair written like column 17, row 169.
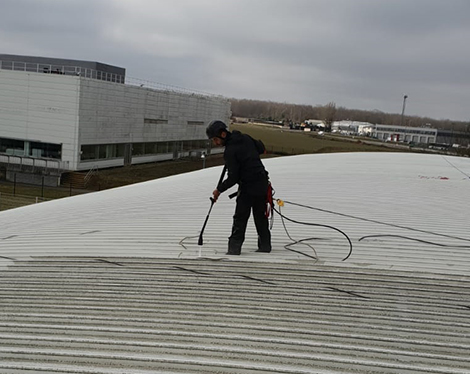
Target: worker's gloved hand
column 215, row 194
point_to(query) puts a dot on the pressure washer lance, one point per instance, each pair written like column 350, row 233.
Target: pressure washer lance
column 200, row 241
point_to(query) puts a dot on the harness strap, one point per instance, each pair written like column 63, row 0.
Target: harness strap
column 269, row 201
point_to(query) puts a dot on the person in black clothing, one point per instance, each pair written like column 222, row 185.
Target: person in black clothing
column 244, row 167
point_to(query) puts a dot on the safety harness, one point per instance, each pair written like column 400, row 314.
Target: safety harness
column 269, row 201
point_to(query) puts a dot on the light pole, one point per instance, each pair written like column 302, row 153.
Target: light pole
column 203, row 156
column 403, row 110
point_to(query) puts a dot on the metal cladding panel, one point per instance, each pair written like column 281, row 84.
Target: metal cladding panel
column 114, row 281
column 115, row 113
column 40, row 107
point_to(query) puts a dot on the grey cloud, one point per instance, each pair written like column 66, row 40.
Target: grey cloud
column 364, row 53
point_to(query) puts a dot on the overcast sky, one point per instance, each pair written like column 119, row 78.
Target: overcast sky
column 360, row 54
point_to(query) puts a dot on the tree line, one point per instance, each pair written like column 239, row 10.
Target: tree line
column 295, row 113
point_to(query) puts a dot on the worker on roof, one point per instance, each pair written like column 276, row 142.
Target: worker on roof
column 244, row 167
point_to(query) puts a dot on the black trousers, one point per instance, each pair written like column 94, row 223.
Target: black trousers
column 245, row 204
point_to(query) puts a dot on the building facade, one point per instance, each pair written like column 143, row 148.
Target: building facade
column 84, row 118
column 418, row 135
column 353, row 127
column 451, row 137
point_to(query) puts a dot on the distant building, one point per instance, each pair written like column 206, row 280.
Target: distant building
column 418, row 135
column 241, row 120
column 310, row 125
column 84, row 115
column 315, row 122
column 365, row 129
column 353, row 127
column 451, row 137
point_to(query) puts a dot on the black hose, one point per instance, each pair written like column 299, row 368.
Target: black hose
column 378, row 222
column 415, row 239
column 317, row 225
column 293, row 240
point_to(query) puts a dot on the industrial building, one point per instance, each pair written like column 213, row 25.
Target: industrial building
column 454, row 137
column 422, row 135
column 77, row 115
column 353, row 127
column 418, row 135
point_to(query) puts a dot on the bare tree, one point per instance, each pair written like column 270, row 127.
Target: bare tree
column 329, row 114
column 287, row 113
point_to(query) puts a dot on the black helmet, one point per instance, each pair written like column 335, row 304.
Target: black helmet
column 215, row 128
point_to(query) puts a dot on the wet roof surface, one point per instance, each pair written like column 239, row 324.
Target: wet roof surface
column 114, row 282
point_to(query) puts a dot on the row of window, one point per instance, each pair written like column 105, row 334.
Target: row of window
column 62, row 70
column 30, row 149
column 154, row 121
column 100, row 151
column 408, row 138
column 409, row 131
column 107, row 151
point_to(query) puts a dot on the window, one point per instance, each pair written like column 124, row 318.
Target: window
column 155, row 121
column 150, row 148
column 89, row 152
column 48, row 150
column 162, row 147
column 12, row 146
column 175, row 146
column 138, row 149
column 120, row 150
column 109, row 151
column 187, row 145
column 102, row 151
column 203, row 143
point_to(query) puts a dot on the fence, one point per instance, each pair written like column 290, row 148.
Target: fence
column 167, row 87
column 287, row 151
column 33, row 67
column 32, row 165
column 10, row 201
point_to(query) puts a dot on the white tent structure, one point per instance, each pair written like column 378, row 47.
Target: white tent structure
column 114, row 281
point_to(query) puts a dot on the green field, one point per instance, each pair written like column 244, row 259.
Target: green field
column 282, row 141
column 278, row 142
column 14, row 196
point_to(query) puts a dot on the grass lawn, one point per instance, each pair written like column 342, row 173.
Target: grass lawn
column 285, row 141
column 12, row 196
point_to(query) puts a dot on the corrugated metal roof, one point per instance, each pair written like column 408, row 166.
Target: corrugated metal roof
column 100, row 283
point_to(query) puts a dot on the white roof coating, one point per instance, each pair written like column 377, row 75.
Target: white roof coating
column 114, row 281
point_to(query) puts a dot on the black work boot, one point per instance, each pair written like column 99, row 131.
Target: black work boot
column 234, row 247
column 234, row 250
column 264, row 246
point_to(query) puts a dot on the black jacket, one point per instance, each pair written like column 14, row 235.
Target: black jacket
column 244, row 165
